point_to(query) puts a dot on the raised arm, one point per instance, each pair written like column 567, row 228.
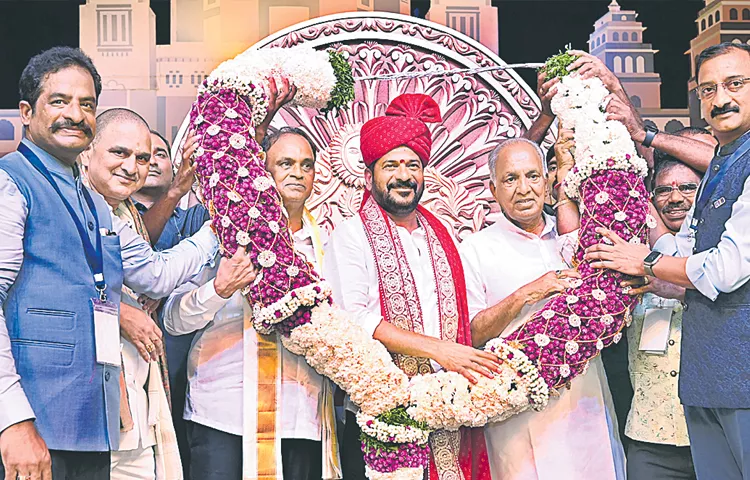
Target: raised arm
column 545, row 91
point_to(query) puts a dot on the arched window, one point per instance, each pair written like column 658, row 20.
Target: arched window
column 618, row 65
column 717, row 17
column 710, row 20
column 636, row 100
column 604, row 37
column 634, row 37
column 616, row 37
column 736, row 40
column 640, row 65
column 746, row 13
column 598, row 41
column 673, row 126
column 7, row 132
column 733, row 14
column 628, row 64
column 703, row 24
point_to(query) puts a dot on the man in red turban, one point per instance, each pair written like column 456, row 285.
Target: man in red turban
column 396, row 268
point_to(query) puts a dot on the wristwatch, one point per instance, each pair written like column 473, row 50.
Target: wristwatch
column 651, row 132
column 650, row 261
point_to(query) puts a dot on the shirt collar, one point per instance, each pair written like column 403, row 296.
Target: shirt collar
column 53, row 164
column 550, row 227
column 732, row 146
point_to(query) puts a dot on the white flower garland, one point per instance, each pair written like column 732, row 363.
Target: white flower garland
column 387, row 433
column 264, row 319
column 400, row 474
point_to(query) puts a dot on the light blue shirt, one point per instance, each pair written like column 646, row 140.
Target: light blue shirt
column 723, row 268
column 144, row 271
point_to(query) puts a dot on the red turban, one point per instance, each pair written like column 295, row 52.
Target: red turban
column 404, row 124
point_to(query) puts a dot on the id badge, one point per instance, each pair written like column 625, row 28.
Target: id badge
column 106, row 332
column 656, row 328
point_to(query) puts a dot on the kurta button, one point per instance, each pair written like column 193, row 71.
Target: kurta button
column 685, row 307
column 91, row 226
column 106, row 376
column 671, row 342
column 673, row 373
column 716, row 168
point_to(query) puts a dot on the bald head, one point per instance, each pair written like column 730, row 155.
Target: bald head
column 115, row 116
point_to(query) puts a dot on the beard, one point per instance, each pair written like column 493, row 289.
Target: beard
column 394, row 203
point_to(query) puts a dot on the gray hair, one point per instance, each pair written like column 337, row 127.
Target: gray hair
column 495, row 154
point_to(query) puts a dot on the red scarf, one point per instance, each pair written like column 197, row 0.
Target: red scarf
column 462, row 454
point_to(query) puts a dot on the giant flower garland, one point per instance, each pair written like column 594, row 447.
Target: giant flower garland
column 397, row 414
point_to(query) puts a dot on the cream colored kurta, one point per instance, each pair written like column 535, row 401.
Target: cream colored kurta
column 575, row 437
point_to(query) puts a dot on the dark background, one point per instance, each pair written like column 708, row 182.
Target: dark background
column 530, row 31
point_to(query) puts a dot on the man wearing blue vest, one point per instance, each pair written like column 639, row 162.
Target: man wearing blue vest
column 714, row 266
column 63, row 261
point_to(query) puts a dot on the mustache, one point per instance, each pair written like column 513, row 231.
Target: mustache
column 675, row 206
column 724, row 109
column 155, row 170
column 59, row 125
column 129, row 176
column 403, row 184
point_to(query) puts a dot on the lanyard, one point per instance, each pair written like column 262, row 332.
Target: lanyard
column 708, row 188
column 94, row 255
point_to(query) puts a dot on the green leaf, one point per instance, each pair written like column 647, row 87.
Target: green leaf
column 343, row 91
column 556, row 66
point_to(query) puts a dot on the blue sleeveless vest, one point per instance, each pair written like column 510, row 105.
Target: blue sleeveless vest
column 49, row 313
column 715, row 370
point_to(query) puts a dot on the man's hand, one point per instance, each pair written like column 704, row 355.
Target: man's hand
column 467, row 361
column 563, row 153
column 149, row 304
column 547, row 285
column 185, row 176
column 140, row 329
column 24, row 453
column 621, row 256
column 657, row 286
column 546, row 90
column 588, row 66
column 234, row 273
column 277, row 98
column 626, row 114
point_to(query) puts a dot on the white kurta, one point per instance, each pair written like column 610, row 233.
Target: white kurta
column 215, row 364
column 575, row 437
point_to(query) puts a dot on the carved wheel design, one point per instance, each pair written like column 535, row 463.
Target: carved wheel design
column 478, row 111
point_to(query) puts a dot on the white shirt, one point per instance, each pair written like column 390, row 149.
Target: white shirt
column 215, row 362
column 498, row 261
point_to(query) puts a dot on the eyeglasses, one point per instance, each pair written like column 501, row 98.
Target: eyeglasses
column 685, row 189
column 707, row 92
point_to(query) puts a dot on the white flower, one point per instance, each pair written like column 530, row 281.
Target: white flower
column 617, row 337
column 574, row 320
column 214, row 179
column 548, row 314
column 266, row 258
column 601, row 198
column 237, row 141
column 243, row 172
column 621, row 216
column 253, row 212
column 598, row 294
column 292, row 271
column 217, row 154
column 607, row 319
column 243, row 238
column 571, row 299
column 262, row 183
column 198, row 119
column 213, row 130
column 634, row 193
column 199, row 152
column 231, row 113
column 571, row 347
column 599, row 344
column 541, row 339
column 635, row 240
column 565, row 370
column 225, row 221
column 273, row 226
column 650, row 221
column 234, row 196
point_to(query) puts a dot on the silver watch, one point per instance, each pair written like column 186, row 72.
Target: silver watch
column 651, row 260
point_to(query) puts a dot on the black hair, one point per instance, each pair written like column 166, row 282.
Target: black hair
column 550, row 155
column 692, row 131
column 664, row 161
column 272, row 137
column 52, row 61
column 169, row 146
column 716, row 50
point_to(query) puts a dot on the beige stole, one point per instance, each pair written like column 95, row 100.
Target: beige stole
column 261, row 442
